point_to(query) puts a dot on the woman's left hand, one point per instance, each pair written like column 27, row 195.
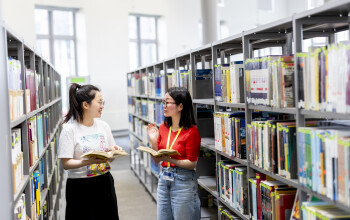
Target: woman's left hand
column 115, row 147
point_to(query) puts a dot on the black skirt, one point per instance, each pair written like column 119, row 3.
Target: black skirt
column 91, row 198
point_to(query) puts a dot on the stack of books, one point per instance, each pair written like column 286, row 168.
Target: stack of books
column 229, row 79
column 324, row 84
column 270, row 81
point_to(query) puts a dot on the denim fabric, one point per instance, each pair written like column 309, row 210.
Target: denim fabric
column 178, row 199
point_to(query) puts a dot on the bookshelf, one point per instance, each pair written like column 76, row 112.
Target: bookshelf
column 38, row 118
column 324, row 21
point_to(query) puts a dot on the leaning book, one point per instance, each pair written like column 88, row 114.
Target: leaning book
column 105, row 155
column 160, row 153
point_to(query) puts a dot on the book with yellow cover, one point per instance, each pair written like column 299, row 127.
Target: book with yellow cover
column 105, row 155
column 160, row 153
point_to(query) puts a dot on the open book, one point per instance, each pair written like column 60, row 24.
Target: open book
column 160, row 153
column 105, row 155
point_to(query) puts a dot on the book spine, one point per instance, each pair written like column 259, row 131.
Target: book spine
column 217, row 81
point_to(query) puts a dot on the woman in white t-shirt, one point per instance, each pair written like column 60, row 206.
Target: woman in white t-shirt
column 90, row 192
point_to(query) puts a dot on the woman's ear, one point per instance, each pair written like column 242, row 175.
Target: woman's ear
column 180, row 107
column 85, row 105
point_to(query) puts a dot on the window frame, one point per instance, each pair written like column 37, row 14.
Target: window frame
column 140, row 41
column 51, row 37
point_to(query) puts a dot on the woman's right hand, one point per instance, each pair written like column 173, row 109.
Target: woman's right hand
column 152, row 133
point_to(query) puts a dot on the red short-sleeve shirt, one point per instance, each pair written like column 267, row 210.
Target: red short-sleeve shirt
column 187, row 144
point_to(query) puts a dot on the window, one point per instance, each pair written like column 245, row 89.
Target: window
column 268, row 51
column 313, row 43
column 224, row 30
column 342, row 36
column 143, row 40
column 56, row 38
column 221, row 3
column 314, row 3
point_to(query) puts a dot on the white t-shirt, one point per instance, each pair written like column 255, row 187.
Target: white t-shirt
column 77, row 139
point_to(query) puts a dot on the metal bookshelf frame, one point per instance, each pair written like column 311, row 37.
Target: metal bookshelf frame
column 12, row 45
column 287, row 33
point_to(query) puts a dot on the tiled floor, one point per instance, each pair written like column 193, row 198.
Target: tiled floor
column 133, row 200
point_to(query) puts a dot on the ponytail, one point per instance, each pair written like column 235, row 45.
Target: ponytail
column 77, row 95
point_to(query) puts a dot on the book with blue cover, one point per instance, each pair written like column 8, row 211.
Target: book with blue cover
column 242, row 191
column 42, row 175
column 253, row 200
column 36, row 178
column 158, row 86
column 217, row 82
column 301, row 155
column 204, row 74
column 40, row 133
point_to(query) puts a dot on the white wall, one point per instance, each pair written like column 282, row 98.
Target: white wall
column 182, row 19
column 20, row 19
column 296, row 6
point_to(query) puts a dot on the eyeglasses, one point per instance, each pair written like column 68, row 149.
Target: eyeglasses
column 102, row 103
column 165, row 103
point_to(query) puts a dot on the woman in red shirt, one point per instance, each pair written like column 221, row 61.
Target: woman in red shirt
column 177, row 186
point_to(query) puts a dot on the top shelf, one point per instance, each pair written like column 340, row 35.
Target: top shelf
column 147, row 97
column 231, row 105
column 33, row 113
column 273, row 109
column 204, row 101
column 332, row 8
column 281, row 26
column 327, row 115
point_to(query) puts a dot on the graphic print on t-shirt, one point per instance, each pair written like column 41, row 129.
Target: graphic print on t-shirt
column 95, row 142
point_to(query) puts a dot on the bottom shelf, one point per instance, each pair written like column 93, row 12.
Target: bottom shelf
column 210, row 213
column 325, row 199
column 147, row 185
column 233, row 209
column 209, row 184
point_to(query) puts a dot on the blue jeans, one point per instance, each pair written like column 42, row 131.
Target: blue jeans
column 178, row 199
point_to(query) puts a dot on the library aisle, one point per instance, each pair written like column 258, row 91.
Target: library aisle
column 133, row 200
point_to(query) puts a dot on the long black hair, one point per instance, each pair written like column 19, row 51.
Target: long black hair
column 77, row 95
column 181, row 95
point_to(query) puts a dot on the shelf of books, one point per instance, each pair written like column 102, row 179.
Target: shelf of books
column 274, row 125
column 33, row 112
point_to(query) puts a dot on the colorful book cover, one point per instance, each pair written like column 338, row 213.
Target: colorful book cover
column 225, row 70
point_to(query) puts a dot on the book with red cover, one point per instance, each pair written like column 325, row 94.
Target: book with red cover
column 259, row 177
column 284, row 200
column 30, row 85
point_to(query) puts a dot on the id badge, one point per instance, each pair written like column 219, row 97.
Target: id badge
column 168, row 176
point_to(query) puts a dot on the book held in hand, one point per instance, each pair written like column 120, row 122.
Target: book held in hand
column 160, row 153
column 105, row 155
